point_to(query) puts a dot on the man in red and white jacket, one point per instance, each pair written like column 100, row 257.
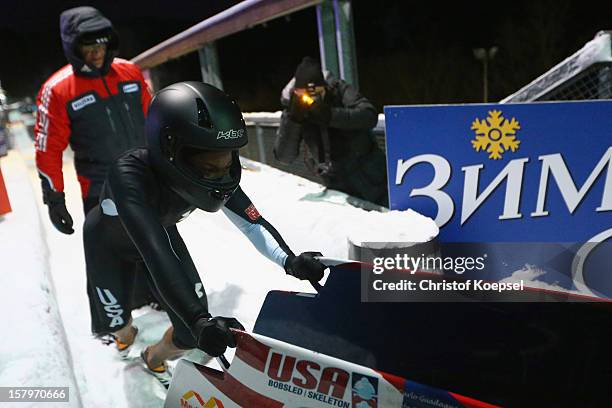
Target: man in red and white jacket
column 97, row 104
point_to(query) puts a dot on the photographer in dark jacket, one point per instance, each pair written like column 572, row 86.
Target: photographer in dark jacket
column 334, row 120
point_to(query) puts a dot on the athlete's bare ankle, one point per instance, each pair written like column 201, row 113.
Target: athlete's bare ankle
column 152, row 357
column 126, row 334
column 157, row 353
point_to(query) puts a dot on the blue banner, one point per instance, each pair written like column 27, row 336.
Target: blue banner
column 533, row 172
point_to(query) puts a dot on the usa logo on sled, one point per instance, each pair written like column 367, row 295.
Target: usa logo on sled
column 269, row 373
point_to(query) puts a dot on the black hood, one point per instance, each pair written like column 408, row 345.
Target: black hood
column 78, row 21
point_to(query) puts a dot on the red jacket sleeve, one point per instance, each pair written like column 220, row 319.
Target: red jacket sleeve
column 52, row 130
column 146, row 93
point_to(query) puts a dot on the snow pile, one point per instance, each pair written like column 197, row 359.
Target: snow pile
column 33, row 348
column 237, row 278
column 313, row 219
column 392, row 228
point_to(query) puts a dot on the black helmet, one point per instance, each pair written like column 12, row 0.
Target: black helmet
column 190, row 118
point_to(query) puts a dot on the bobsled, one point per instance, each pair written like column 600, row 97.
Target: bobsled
column 331, row 349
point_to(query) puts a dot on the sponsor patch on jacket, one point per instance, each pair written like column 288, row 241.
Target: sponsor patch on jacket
column 130, row 88
column 252, row 212
column 83, row 102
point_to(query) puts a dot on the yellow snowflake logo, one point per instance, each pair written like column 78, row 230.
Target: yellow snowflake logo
column 495, row 134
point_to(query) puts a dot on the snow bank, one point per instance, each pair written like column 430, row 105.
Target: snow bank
column 391, row 228
column 237, row 278
column 313, row 218
column 33, row 346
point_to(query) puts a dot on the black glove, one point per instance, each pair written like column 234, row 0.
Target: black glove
column 319, row 113
column 213, row 334
column 305, row 266
column 59, row 215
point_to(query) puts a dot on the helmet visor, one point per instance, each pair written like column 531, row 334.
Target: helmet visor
column 206, row 164
column 215, row 170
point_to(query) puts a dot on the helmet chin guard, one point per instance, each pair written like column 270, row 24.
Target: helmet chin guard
column 195, row 116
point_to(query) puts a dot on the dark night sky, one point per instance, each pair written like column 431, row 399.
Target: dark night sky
column 408, row 51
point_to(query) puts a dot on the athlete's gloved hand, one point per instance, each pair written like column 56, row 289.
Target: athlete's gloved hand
column 59, row 215
column 305, row 266
column 214, row 334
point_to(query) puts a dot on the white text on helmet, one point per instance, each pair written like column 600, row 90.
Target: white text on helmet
column 230, row 134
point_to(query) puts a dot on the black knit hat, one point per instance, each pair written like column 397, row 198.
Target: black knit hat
column 308, row 72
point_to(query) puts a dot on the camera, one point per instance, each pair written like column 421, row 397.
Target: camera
column 302, row 99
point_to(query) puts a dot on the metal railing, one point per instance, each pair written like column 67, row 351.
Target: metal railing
column 587, row 74
column 262, row 128
column 237, row 18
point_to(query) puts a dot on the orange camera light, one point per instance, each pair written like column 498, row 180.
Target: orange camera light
column 307, row 99
column 304, row 97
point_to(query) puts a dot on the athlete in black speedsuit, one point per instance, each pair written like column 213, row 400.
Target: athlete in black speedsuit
column 193, row 133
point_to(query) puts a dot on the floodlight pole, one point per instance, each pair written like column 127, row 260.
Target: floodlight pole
column 485, row 55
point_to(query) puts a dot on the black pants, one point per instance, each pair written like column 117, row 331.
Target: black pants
column 114, row 271
column 89, row 202
column 142, row 293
